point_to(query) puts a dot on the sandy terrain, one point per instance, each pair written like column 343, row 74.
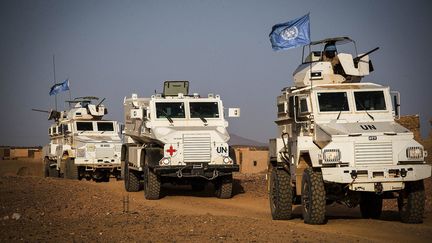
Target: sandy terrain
column 53, row 209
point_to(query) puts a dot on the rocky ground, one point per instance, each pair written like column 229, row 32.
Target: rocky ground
column 40, row 209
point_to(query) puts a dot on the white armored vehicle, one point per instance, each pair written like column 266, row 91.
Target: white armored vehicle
column 177, row 138
column 82, row 145
column 339, row 141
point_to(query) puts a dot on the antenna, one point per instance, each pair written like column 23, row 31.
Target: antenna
column 55, row 82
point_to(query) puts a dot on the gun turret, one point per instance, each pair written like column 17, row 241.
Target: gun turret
column 100, row 103
column 53, row 114
column 357, row 59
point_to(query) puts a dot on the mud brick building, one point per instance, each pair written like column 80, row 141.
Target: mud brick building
column 251, row 159
column 8, row 152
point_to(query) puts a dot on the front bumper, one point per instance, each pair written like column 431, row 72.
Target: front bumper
column 98, row 163
column 367, row 178
column 208, row 172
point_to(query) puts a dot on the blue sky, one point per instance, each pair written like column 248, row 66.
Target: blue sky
column 114, row 48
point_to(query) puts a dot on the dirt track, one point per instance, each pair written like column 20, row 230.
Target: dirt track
column 57, row 210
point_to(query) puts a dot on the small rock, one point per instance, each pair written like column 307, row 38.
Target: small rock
column 6, row 217
column 16, row 216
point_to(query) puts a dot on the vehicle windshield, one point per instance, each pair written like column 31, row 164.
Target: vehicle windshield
column 170, row 110
column 369, row 100
column 105, row 126
column 333, row 101
column 204, row 109
column 84, row 126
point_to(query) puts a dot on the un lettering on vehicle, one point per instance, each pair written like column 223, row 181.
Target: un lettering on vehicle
column 223, row 150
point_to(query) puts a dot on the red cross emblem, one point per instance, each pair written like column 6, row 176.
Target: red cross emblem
column 171, row 150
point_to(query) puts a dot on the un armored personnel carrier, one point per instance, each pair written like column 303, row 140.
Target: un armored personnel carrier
column 339, row 141
column 82, row 144
column 177, row 138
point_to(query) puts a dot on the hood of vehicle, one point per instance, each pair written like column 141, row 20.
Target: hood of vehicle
column 324, row 132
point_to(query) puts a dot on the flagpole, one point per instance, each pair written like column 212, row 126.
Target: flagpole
column 55, row 82
column 70, row 96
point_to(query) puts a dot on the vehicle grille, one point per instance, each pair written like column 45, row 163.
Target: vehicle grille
column 104, row 152
column 374, row 153
column 196, row 148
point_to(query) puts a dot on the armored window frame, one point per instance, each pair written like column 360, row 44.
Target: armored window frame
column 304, row 105
column 281, row 108
column 362, row 105
column 81, row 124
column 194, row 113
column 327, row 102
column 100, row 126
column 179, row 114
column 65, row 128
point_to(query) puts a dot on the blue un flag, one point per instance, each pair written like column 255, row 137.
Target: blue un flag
column 57, row 88
column 291, row 34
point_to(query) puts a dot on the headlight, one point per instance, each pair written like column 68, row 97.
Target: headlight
column 414, row 152
column 331, row 155
column 81, row 152
column 227, row 160
column 164, row 161
column 91, row 147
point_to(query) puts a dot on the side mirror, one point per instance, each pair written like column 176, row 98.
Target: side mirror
column 396, row 103
column 233, row 112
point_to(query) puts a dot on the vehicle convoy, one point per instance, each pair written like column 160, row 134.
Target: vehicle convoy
column 339, row 141
column 177, row 138
column 82, row 145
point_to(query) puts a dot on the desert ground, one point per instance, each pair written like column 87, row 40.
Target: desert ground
column 33, row 208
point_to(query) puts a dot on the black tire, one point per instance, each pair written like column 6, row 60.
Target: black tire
column 232, row 155
column 106, row 178
column 370, row 205
column 131, row 179
column 224, row 187
column 411, row 202
column 152, row 184
column 280, row 194
column 65, row 173
column 72, row 171
column 313, row 197
column 46, row 168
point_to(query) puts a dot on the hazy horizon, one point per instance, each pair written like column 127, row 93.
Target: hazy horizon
column 112, row 49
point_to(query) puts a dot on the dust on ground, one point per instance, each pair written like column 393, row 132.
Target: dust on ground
column 50, row 210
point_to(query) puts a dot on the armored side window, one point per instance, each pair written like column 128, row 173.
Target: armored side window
column 291, row 106
column 204, row 109
column 105, row 126
column 65, row 128
column 170, row 110
column 84, row 126
column 59, row 129
column 281, row 108
column 333, row 101
column 303, row 105
column 54, row 130
column 369, row 100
